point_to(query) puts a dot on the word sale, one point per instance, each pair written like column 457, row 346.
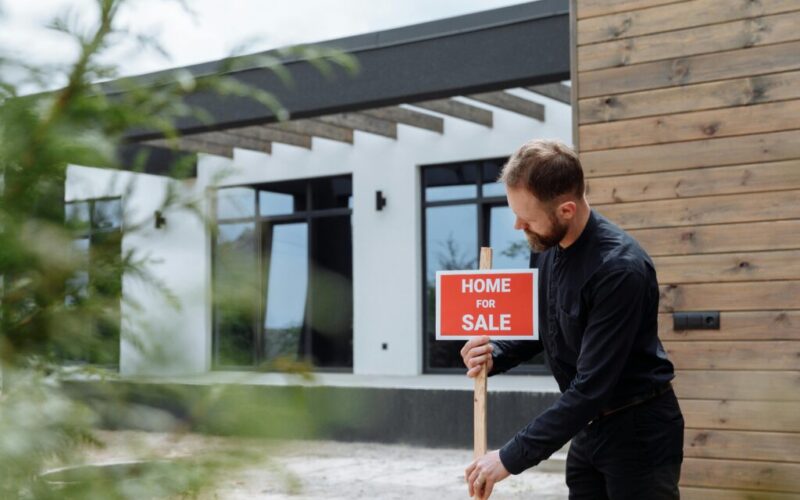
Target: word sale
column 488, row 321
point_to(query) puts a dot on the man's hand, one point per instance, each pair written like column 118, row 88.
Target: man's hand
column 475, row 353
column 483, row 473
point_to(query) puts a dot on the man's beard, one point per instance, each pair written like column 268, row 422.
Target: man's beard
column 541, row 242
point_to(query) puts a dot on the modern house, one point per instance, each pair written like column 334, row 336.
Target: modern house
column 329, row 226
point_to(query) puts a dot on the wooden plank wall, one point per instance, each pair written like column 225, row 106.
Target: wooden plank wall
column 688, row 125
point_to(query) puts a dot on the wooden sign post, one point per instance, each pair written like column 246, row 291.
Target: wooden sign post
column 502, row 304
column 479, row 396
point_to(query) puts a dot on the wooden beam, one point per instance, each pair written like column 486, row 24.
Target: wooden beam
column 737, row 121
column 408, row 117
column 738, row 325
column 689, row 493
column 716, row 152
column 673, row 17
column 557, row 91
column 747, row 62
column 315, row 129
column 745, row 266
column 236, row 141
column 458, row 109
column 743, row 474
column 706, row 443
column 728, row 237
column 778, row 416
column 592, row 8
column 753, row 295
column 749, row 178
column 742, row 355
column 724, row 37
column 698, row 97
column 510, row 102
column 742, row 385
column 193, row 146
column 362, row 122
column 720, row 209
column 261, row 133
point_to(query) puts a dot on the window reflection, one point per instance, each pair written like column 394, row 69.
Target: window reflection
column 283, row 198
column 490, row 172
column 510, row 249
column 287, row 289
column 235, row 203
column 331, row 192
column 107, row 214
column 331, row 292
column 462, row 212
column 96, row 226
column 77, row 214
column 451, row 183
column 271, row 203
column 298, row 303
column 451, row 243
column 235, row 293
column 78, row 285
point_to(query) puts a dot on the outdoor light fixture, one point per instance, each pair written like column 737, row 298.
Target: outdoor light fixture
column 380, row 200
column 695, row 320
column 160, row 220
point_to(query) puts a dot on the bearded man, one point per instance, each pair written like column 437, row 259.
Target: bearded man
column 598, row 306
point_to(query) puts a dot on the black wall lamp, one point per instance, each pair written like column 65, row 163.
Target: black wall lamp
column 160, row 220
column 380, row 200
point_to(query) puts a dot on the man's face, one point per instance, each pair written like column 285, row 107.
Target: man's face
column 538, row 221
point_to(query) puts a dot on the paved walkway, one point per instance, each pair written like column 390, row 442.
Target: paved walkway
column 300, row 470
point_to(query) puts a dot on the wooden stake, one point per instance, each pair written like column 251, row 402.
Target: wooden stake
column 479, row 397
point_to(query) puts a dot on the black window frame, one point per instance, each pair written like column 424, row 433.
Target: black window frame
column 307, row 216
column 484, row 205
column 91, row 232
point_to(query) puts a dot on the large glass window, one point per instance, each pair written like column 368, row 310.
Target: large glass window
column 283, row 274
column 97, row 231
column 464, row 208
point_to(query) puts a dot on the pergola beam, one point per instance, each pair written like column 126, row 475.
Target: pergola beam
column 408, row 117
column 262, row 133
column 227, row 138
column 557, row 91
column 315, row 129
column 458, row 109
column 362, row 122
column 192, row 146
column 511, row 102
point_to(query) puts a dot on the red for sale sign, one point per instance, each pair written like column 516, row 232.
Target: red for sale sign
column 501, row 303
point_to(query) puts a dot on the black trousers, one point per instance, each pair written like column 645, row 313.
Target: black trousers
column 635, row 453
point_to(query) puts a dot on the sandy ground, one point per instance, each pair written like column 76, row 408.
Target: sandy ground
column 330, row 470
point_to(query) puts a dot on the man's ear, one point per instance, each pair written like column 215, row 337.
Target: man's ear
column 567, row 210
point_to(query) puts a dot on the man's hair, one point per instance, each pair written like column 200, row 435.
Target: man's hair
column 547, row 168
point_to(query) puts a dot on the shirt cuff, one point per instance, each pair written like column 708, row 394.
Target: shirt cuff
column 513, row 457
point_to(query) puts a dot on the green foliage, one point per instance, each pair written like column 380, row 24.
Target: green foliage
column 46, row 315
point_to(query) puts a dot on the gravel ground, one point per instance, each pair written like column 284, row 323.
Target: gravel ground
column 330, row 470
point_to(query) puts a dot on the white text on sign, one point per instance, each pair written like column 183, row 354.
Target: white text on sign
column 470, row 322
column 500, row 303
column 482, row 285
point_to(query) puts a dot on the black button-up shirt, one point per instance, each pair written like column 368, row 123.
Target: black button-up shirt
column 598, row 306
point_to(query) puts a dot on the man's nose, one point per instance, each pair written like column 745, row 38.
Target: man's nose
column 518, row 224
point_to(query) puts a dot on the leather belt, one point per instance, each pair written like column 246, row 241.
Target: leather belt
column 636, row 400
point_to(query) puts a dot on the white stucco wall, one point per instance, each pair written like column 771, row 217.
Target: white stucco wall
column 157, row 339
column 387, row 249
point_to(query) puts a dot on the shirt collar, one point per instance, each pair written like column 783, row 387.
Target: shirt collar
column 580, row 242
